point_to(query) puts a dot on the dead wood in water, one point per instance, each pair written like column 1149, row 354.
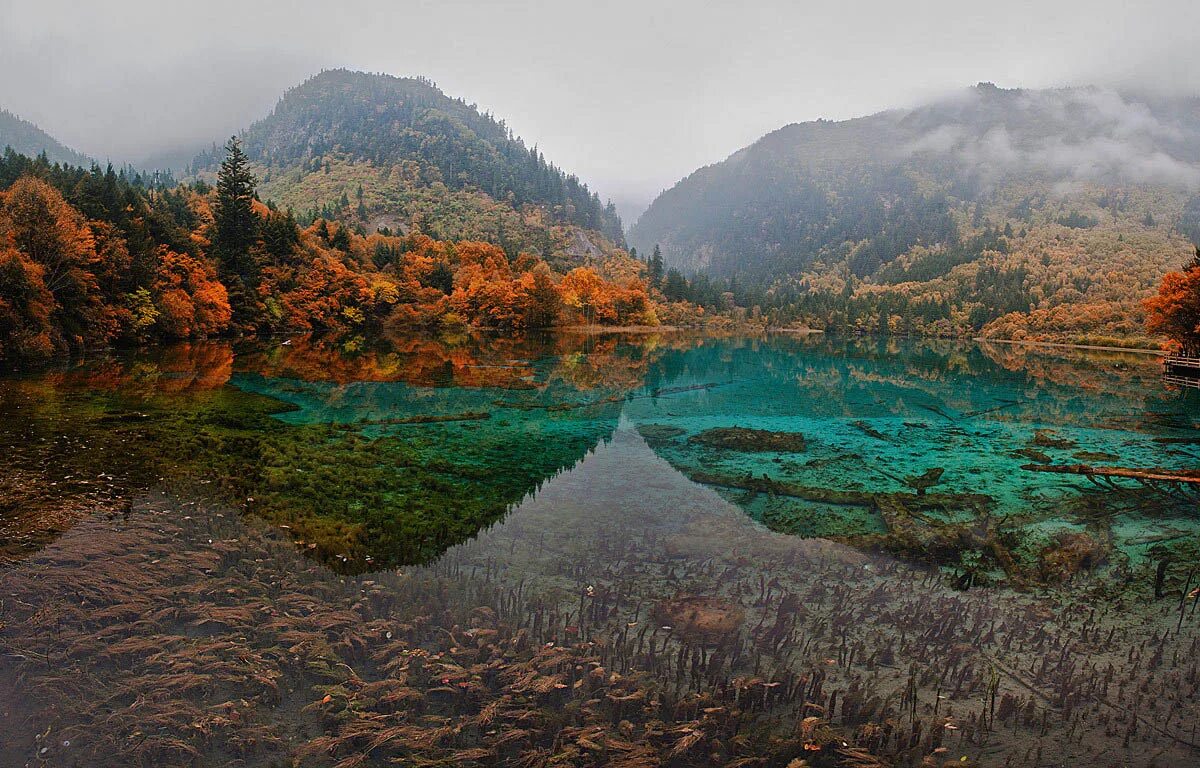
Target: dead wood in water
column 1173, row 483
column 1189, row 476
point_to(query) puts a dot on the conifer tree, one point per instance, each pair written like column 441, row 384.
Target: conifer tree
column 236, row 226
column 656, row 267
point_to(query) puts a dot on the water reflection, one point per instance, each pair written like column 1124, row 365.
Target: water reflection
column 386, row 454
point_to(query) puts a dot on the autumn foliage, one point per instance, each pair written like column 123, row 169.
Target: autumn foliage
column 1175, row 310
column 189, row 298
column 153, row 264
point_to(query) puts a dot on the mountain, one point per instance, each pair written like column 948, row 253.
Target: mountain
column 383, row 151
column 27, row 139
column 985, row 204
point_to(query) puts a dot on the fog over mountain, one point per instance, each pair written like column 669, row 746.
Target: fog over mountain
column 1080, row 134
column 942, row 203
column 632, row 96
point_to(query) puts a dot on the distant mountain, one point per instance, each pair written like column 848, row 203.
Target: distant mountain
column 944, row 202
column 397, row 152
column 27, row 139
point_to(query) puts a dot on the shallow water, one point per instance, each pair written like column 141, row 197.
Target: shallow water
column 274, row 552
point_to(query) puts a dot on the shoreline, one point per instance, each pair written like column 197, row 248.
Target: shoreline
column 1066, row 345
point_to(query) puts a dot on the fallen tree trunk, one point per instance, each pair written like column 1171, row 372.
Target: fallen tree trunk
column 1187, row 476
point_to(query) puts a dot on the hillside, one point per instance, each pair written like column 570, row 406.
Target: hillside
column 27, row 139
column 1045, row 214
column 397, row 153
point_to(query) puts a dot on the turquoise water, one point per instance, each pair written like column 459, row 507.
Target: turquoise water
column 872, row 415
column 554, row 551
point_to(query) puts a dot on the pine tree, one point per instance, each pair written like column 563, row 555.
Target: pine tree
column 656, row 267
column 236, row 226
column 340, row 239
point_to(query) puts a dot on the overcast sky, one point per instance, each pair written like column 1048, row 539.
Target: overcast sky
column 631, row 95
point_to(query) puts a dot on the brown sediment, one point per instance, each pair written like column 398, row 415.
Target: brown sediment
column 1045, row 438
column 699, row 617
column 1068, row 554
column 1034, row 454
column 750, row 440
column 659, row 433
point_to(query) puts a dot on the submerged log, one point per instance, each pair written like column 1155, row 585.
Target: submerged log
column 1185, row 476
column 1174, row 484
column 977, row 502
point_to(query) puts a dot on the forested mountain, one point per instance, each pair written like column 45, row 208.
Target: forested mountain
column 382, row 151
column 26, row 138
column 90, row 257
column 1045, row 213
column 454, row 223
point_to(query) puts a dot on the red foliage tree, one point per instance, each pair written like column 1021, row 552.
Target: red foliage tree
column 189, row 298
column 1175, row 310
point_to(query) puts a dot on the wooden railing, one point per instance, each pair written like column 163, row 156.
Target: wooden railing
column 1181, row 361
column 1181, row 370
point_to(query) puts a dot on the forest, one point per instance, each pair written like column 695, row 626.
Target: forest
column 357, row 145
column 91, row 257
column 904, row 222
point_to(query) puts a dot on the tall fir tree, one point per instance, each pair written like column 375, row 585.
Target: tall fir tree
column 655, row 265
column 236, row 225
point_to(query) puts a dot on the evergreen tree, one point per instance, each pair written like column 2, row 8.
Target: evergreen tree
column 236, row 226
column 340, row 239
column 656, row 267
column 675, row 287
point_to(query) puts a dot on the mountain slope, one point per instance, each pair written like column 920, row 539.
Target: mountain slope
column 27, row 139
column 393, row 152
column 988, row 202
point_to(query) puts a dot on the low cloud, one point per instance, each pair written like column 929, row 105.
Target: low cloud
column 1078, row 134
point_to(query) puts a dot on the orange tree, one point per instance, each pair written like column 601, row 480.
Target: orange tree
column 1175, row 310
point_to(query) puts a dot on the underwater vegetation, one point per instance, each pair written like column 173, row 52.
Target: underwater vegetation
column 938, row 455
column 576, row 632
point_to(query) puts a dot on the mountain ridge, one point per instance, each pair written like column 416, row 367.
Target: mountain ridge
column 390, row 141
column 1005, row 211
column 26, row 138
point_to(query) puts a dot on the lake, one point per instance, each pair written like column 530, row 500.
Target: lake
column 598, row 549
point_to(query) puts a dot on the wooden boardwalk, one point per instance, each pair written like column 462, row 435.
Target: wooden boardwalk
column 1182, row 370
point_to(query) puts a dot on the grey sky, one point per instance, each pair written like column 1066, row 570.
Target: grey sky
column 629, row 95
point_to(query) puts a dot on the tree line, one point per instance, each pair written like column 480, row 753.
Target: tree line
column 90, row 257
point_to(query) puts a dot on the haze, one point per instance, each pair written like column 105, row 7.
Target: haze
column 631, row 96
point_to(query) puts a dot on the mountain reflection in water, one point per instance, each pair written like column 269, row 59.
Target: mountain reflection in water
column 616, row 611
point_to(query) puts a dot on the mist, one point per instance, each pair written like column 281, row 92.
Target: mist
column 1078, row 134
column 631, row 96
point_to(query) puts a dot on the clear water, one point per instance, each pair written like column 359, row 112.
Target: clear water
column 871, row 414
column 421, row 553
